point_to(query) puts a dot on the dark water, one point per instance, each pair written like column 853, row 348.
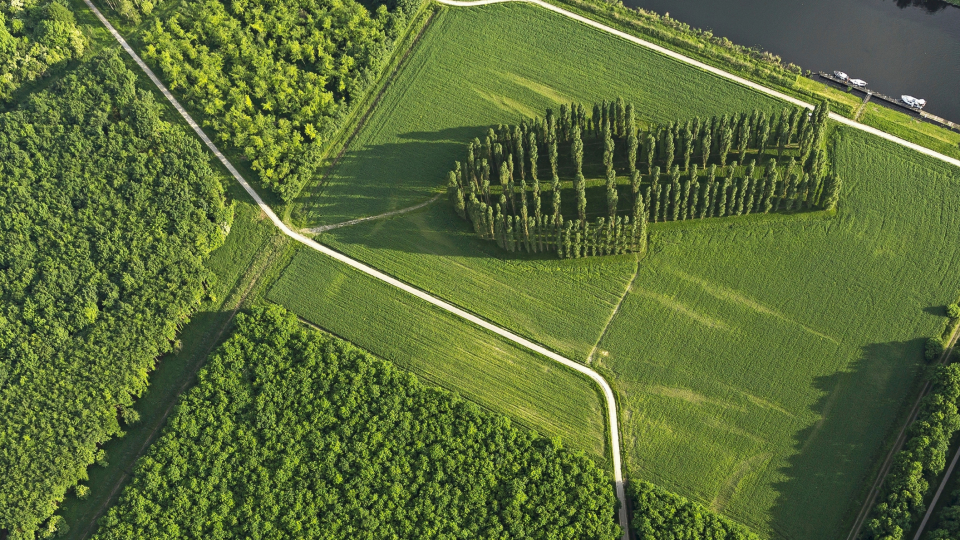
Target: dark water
column 897, row 46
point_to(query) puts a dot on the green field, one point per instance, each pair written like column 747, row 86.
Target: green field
column 444, row 350
column 761, row 362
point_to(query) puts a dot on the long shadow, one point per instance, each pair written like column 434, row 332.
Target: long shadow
column 373, row 179
column 837, row 459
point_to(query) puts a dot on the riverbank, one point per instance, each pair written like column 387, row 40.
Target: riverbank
column 764, row 68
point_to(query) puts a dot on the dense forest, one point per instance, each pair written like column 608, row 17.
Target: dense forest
column 291, row 434
column 660, row 515
column 108, row 214
column 922, row 459
column 274, row 80
column 34, row 36
column 605, row 171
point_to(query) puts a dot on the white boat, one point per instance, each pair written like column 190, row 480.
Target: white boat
column 913, row 102
column 840, row 75
column 859, row 83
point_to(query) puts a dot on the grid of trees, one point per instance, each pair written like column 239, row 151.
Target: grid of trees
column 108, row 215
column 275, row 80
column 604, row 170
column 34, row 36
column 291, row 434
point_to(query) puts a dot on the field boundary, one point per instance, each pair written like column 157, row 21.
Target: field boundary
column 708, row 68
column 898, row 445
column 469, row 317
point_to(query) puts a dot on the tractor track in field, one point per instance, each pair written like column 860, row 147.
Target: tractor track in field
column 324, row 228
column 607, row 391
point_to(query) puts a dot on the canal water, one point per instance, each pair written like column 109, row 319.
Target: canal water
column 897, row 46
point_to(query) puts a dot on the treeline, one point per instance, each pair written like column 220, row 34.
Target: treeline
column 947, row 524
column 108, row 215
column 498, row 188
column 34, row 36
column 274, row 80
column 922, row 459
column 291, row 434
column 660, row 515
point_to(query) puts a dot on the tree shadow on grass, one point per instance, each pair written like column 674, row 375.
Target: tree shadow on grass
column 368, row 180
column 836, row 459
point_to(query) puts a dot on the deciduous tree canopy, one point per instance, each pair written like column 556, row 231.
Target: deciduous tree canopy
column 290, row 434
column 108, row 214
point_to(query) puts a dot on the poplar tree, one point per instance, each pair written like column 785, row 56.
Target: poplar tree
column 792, row 192
column 749, row 190
column 612, row 196
column 651, row 149
column 552, row 155
column 668, row 149
column 632, row 153
column 710, row 194
column 721, row 196
column 485, row 179
column 655, row 201
column 507, row 190
column 608, row 148
column 621, row 124
column 564, row 127
column 532, row 138
column 803, row 193
column 688, row 143
column 665, row 198
column 706, row 142
column 551, row 126
column 675, row 195
column 726, row 141
column 597, row 120
column 743, row 139
column 831, row 191
column 630, row 121
column 456, row 194
column 471, row 164
column 568, row 244
column 640, row 208
column 792, row 124
column 556, row 199
column 768, row 185
column 694, row 198
column 763, row 133
column 518, row 159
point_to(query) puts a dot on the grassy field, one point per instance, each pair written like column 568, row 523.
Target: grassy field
column 457, row 84
column 761, row 362
column 444, row 350
column 781, row 353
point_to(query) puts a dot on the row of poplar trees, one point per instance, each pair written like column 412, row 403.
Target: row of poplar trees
column 499, row 190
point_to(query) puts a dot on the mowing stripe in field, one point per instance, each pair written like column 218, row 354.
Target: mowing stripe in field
column 706, row 67
column 604, row 386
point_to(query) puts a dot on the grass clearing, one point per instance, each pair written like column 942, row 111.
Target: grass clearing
column 444, row 350
column 765, row 382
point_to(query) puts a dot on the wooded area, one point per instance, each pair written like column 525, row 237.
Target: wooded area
column 920, row 462
column 661, row 515
column 275, row 80
column 498, row 187
column 109, row 213
column 34, row 36
column 290, row 433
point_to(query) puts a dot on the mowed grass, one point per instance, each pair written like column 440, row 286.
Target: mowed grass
column 476, row 67
column 445, row 350
column 762, row 364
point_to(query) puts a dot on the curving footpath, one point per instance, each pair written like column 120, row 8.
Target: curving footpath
column 706, row 67
column 450, row 308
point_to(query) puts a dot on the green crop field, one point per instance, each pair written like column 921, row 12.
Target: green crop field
column 762, row 363
column 444, row 350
